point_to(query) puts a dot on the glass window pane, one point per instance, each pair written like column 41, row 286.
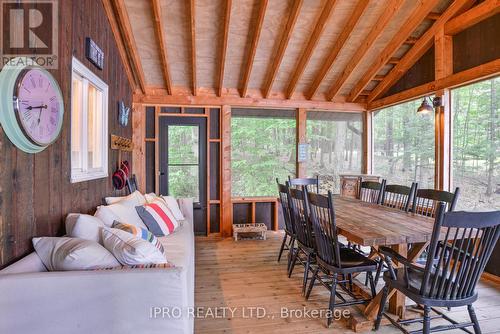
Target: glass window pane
column 94, row 128
column 476, row 145
column 404, row 145
column 183, row 144
column 76, row 123
column 183, row 182
column 335, row 147
column 263, row 149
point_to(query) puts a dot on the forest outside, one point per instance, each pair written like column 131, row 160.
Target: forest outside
column 476, row 144
column 403, row 148
column 335, row 147
column 262, row 149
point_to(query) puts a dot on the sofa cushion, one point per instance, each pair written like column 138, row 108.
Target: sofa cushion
column 157, row 217
column 84, row 227
column 59, row 254
column 130, row 250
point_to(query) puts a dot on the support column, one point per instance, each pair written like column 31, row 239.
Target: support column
column 226, row 203
column 367, row 167
column 301, row 167
column 138, row 140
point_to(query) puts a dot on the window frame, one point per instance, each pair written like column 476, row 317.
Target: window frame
column 88, row 77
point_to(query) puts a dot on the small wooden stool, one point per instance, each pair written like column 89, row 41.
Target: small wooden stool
column 250, row 231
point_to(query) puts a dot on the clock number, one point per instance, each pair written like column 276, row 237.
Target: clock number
column 32, row 82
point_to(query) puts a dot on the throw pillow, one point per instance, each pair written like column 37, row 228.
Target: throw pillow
column 58, row 254
column 158, row 218
column 130, row 250
column 135, row 196
column 84, row 227
column 140, row 233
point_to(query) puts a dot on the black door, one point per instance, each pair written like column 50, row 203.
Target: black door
column 183, row 163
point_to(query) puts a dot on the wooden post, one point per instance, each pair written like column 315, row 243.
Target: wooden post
column 443, row 68
column 138, row 140
column 226, row 204
column 367, row 142
column 301, row 167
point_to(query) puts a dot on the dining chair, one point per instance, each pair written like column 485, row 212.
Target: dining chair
column 304, row 181
column 371, row 191
column 305, row 251
column 398, row 196
column 335, row 264
column 289, row 228
column 425, row 201
column 450, row 281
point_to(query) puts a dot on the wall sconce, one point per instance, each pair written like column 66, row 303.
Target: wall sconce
column 426, row 107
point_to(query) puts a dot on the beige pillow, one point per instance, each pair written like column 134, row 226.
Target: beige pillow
column 60, row 254
column 129, row 249
column 123, row 211
column 84, row 227
column 135, row 196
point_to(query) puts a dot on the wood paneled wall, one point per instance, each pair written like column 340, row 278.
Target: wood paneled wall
column 35, row 190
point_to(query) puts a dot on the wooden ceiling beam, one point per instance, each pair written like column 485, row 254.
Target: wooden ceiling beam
column 418, row 50
column 378, row 78
column 337, row 47
column 192, row 25
column 390, row 10
column 253, row 47
column 433, row 16
column 393, row 60
column 129, row 42
column 326, row 12
column 280, row 52
column 471, row 17
column 108, row 8
column 159, row 30
column 223, row 51
column 411, row 40
column 416, row 17
column 480, row 72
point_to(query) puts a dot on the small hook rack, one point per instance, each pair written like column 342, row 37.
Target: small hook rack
column 121, row 143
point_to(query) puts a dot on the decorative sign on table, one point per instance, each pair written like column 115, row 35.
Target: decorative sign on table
column 302, row 152
column 94, row 53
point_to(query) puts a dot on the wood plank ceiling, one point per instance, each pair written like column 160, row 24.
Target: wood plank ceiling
column 320, row 50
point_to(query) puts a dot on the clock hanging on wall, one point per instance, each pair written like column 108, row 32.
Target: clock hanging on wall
column 32, row 106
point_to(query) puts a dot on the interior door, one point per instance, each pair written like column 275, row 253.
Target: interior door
column 183, row 163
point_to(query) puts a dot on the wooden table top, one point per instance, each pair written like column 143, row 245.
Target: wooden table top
column 374, row 225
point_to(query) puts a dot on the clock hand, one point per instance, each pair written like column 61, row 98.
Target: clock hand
column 40, row 114
column 41, row 106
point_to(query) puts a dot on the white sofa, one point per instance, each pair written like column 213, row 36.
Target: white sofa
column 33, row 300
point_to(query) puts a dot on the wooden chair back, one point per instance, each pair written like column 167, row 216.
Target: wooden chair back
column 304, row 181
column 471, row 238
column 425, row 201
column 398, row 196
column 283, row 196
column 322, row 216
column 300, row 218
column 371, row 191
column 132, row 183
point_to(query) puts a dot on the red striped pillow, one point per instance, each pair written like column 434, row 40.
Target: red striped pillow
column 157, row 217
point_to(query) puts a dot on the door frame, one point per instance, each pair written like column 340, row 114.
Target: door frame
column 201, row 122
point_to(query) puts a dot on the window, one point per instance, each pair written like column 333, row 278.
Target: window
column 476, row 145
column 404, row 145
column 335, row 146
column 89, row 125
column 183, row 161
column 262, row 149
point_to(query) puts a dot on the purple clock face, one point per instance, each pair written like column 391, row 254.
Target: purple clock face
column 39, row 106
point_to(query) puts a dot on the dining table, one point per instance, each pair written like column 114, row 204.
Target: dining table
column 375, row 225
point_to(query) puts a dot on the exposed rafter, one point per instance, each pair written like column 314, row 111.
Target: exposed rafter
column 393, row 60
column 416, row 17
column 390, row 10
column 326, row 12
column 159, row 30
column 478, row 13
column 253, row 47
column 411, row 40
column 225, row 34
column 192, row 20
column 129, row 42
column 337, row 47
column 417, row 51
column 108, row 8
column 280, row 52
column 433, row 16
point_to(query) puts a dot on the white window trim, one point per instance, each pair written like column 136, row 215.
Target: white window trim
column 89, row 76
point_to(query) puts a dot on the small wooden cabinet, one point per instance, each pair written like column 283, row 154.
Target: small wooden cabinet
column 350, row 183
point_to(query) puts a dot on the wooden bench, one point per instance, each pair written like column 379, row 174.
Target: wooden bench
column 250, row 231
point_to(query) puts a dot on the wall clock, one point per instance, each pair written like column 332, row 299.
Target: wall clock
column 32, row 106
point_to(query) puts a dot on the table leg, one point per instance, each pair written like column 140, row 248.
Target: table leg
column 397, row 300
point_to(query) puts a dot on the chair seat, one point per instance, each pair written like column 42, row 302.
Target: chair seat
column 351, row 258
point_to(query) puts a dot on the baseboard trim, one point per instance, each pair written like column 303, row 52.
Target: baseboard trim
column 490, row 277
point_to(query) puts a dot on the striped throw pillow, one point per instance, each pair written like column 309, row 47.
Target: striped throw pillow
column 158, row 218
column 140, row 233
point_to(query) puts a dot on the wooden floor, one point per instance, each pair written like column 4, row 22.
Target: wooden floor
column 244, row 274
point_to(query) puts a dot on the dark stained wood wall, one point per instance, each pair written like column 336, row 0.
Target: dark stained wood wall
column 35, row 190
